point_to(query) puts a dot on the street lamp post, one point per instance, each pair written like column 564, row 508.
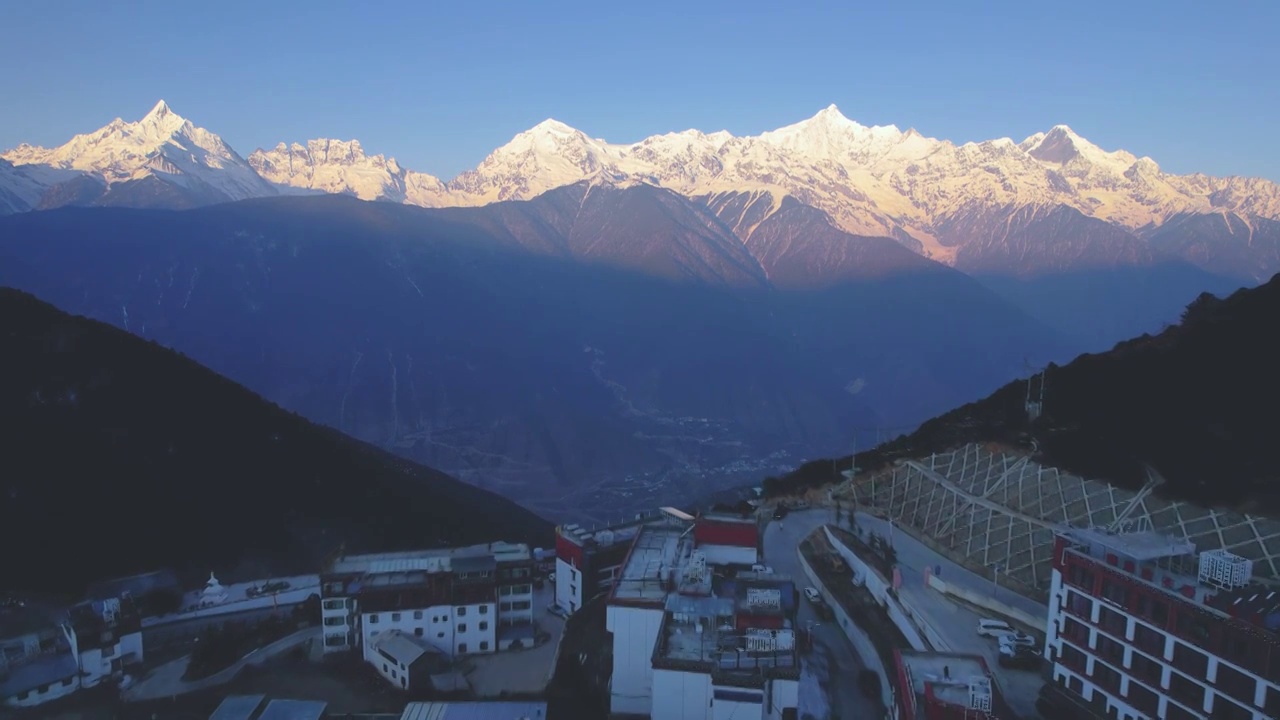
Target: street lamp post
column 995, row 584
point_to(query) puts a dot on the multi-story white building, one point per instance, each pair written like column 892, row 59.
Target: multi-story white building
column 1139, row 627
column 107, row 635
column 460, row 601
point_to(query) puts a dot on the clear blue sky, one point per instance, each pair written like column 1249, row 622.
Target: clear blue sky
column 440, row 84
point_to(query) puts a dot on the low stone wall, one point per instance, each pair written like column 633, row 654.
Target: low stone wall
column 988, row 603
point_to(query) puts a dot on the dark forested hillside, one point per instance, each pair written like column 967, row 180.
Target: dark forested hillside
column 1198, row 402
column 121, row 456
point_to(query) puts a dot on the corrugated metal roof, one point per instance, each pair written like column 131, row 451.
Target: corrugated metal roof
column 400, row 646
column 293, row 710
column 237, row 707
column 475, row 711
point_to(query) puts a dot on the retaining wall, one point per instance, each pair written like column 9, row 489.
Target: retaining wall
column 878, row 586
column 857, row 637
column 988, row 603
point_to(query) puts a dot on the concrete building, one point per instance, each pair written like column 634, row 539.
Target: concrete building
column 654, row 567
column 1141, row 627
column 405, row 661
column 108, row 638
column 38, row 659
column 452, row 599
column 712, row 660
column 588, row 561
column 944, row 686
column 728, row 539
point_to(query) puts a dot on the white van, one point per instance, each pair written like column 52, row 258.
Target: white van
column 994, row 628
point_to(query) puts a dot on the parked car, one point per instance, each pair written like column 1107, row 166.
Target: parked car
column 812, row 594
column 1017, row 639
column 994, row 628
column 1018, row 657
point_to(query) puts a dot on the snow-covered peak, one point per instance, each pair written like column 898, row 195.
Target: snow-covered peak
column 159, row 113
column 342, row 167
column 551, row 126
column 161, row 145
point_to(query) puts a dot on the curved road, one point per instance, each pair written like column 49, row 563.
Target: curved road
column 166, row 680
column 833, row 663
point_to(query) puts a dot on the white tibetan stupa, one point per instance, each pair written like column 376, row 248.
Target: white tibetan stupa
column 214, row 593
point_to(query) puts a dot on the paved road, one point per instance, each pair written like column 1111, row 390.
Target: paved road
column 166, row 680
column 957, row 623
column 833, row 663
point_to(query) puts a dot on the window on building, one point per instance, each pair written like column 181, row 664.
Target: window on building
column 1080, row 577
column 1192, row 662
column 462, row 627
column 1192, row 626
column 521, row 605
column 484, row 626
column 504, row 607
column 1235, row 683
column 1116, row 592
column 484, row 644
column 460, row 611
column 573, row 590
column 1078, row 604
column 1185, row 691
column 373, row 619
column 1110, row 650
column 1113, row 622
column 395, row 617
column 439, row 635
column 462, row 648
column 404, row 682
column 335, row 604
column 484, row 609
column 385, row 668
column 417, row 614
column 1106, row 677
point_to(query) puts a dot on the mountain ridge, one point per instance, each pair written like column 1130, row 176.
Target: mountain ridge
column 872, row 181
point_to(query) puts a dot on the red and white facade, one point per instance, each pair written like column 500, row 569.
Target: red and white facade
column 1141, row 628
column 728, row 539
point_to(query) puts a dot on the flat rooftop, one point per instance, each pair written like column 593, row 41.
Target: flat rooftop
column 475, row 711
column 293, row 710
column 431, row 560
column 605, row 536
column 237, row 707
column 947, row 675
column 1142, row 546
column 657, row 565
column 716, row 643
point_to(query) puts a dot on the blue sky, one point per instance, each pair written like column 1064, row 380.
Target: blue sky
column 440, row 84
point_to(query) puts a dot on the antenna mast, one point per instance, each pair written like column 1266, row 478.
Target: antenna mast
column 1035, row 399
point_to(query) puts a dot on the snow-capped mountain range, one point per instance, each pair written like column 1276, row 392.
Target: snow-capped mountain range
column 931, row 195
